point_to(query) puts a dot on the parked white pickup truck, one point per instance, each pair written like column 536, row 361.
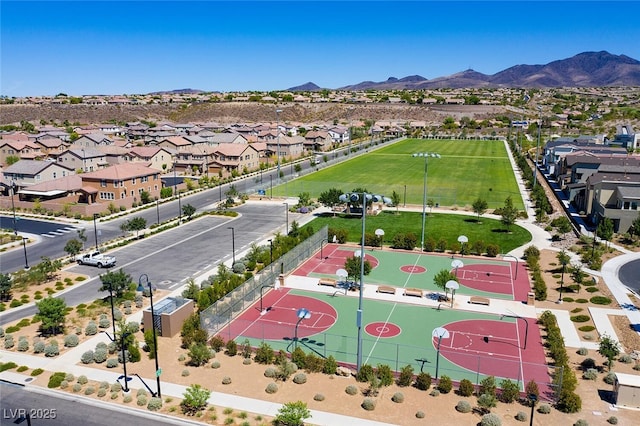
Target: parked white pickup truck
column 96, row 259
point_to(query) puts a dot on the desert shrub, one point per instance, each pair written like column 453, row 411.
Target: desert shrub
column 368, row 404
column 182, row 357
column 22, row 368
column 544, row 409
column 610, row 378
column 246, row 361
column 351, row 390
column 588, row 363
column 492, row 250
column 103, row 385
column 522, row 416
column 330, row 365
column 298, row 357
column 419, row 414
column 71, row 340
column 624, row 358
column 264, row 354
column 365, row 373
column 318, row 397
column 127, row 399
column 226, row 380
column 444, row 384
column 435, row 392
column 590, row 374
column 313, row 363
column 76, row 388
column 490, row 420
column 91, row 329
column 37, row 372
column 82, row 379
column 69, row 377
column 583, row 351
column 463, row 407
column 90, row 390
column 406, row 376
column 100, row 355
column 51, row 349
column 116, row 387
column 141, row 392
column 385, row 375
column 215, row 364
column 185, row 373
column 231, row 348
column 38, row 347
column 114, row 395
column 104, row 322
column 101, row 393
column 600, row 300
column 488, row 385
column 1, row 332
column 398, row 397
column 9, row 342
column 569, row 402
column 270, row 372
column 112, row 362
column 486, row 400
column 613, row 420
column 23, row 344
column 154, row 404
column 423, row 381
column 87, row 357
column 141, row 400
column 581, row 422
column 466, row 388
column 217, row 343
column 636, row 367
column 64, row 384
column 300, row 378
column 510, row 391
column 271, row 388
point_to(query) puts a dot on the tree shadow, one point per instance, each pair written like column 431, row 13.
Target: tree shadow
column 501, row 231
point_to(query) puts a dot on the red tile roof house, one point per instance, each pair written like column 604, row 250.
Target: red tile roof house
column 156, row 157
column 121, row 184
column 83, row 159
column 235, row 157
column 22, row 149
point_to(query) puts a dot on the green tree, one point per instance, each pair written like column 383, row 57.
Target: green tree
column 563, row 225
column 149, row 344
column 292, row 414
column 509, row 213
column 634, row 229
column 605, row 229
column 192, row 332
column 188, row 210
column 577, row 274
column 480, row 206
column 137, row 224
column 48, row 268
column 352, row 265
column 145, row 197
column 194, row 399
column 51, row 312
column 12, row 159
column 5, row 287
column 442, row 277
column 199, row 354
column 395, row 199
column 330, row 197
column 609, row 349
column 118, row 281
column 73, row 247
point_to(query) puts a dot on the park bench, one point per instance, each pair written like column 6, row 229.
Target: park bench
column 327, row 281
column 477, row 300
column 386, row 289
column 413, row 292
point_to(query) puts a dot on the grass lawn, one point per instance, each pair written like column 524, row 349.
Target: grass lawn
column 465, row 171
column 447, row 226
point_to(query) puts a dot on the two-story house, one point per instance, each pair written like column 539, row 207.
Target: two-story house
column 19, row 149
column 232, row 157
column 26, row 173
column 156, row 157
column 92, row 140
column 122, row 184
column 83, row 159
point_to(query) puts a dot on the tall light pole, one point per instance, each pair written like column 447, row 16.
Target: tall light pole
column 26, row 260
column 424, row 191
column 145, row 278
column 95, row 228
column 535, row 162
column 271, row 254
column 286, row 229
column 233, row 245
column 13, row 207
column 158, row 210
column 175, row 190
column 278, row 111
column 364, row 197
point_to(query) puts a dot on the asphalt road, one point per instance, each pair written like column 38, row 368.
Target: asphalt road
column 48, row 408
column 629, row 274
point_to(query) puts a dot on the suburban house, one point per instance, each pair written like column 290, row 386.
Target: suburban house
column 156, row 157
column 626, row 137
column 317, row 140
column 291, row 147
column 92, row 140
column 339, row 134
column 232, row 157
column 84, row 159
column 195, row 159
column 121, row 184
column 219, row 138
column 175, row 143
column 51, row 146
column 26, row 173
column 556, row 149
column 614, row 193
column 22, row 149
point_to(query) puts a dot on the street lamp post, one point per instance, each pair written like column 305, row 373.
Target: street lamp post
column 424, row 191
column 125, row 388
column 95, row 228
column 233, row 245
column 26, row 260
column 439, row 332
column 286, row 229
column 278, row 111
column 532, row 399
column 13, row 207
column 271, row 253
column 145, row 278
column 158, row 210
column 302, row 315
column 364, row 197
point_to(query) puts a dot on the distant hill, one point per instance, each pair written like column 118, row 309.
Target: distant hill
column 307, row 87
column 178, row 92
column 588, row 69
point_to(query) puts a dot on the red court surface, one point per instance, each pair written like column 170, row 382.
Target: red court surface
column 328, row 265
column 486, row 277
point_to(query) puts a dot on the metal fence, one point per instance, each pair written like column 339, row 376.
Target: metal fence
column 223, row 311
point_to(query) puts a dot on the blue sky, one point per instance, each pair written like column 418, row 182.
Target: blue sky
column 120, row 47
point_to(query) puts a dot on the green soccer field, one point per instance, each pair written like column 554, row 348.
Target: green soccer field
column 465, row 171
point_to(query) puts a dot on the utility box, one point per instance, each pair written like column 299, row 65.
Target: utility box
column 627, row 390
column 281, row 279
column 531, row 298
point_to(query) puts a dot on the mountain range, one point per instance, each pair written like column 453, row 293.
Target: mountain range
column 588, row 69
